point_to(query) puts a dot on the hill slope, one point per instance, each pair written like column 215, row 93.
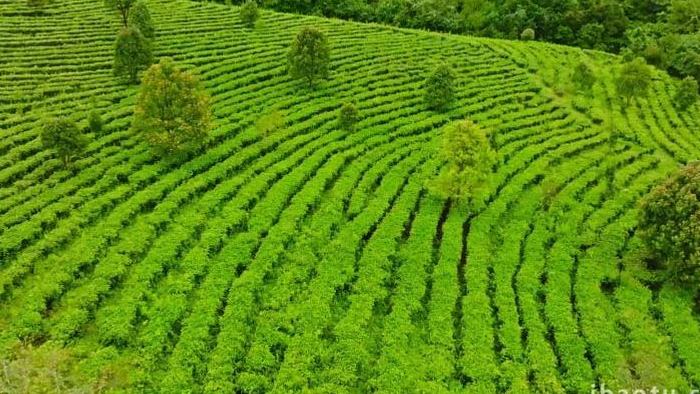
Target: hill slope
column 315, row 258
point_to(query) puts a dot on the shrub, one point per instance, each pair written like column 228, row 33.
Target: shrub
column 348, row 116
column 439, row 88
column 583, row 76
column 309, row 55
column 669, row 224
column 269, row 123
column 527, row 35
column 172, row 109
column 686, row 93
column 633, row 79
column 249, row 13
column 63, row 136
column 95, row 122
column 121, row 6
column 140, row 18
column 132, row 54
column 470, row 159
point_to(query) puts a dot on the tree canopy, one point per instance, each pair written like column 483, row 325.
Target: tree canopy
column 63, row 136
column 132, row 54
column 439, row 88
column 123, row 7
column 309, row 55
column 669, row 224
column 470, row 160
column 172, row 109
column 633, row 79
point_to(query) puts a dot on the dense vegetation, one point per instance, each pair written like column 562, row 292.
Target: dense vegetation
column 665, row 32
column 302, row 245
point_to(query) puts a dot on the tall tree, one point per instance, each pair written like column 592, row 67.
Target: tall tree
column 470, row 159
column 172, row 109
column 132, row 54
column 121, row 6
column 309, row 55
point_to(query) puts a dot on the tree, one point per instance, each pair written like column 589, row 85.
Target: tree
column 63, row 136
column 310, row 55
column 172, row 108
column 527, row 35
column 439, row 88
column 95, row 122
column 132, row 54
column 470, row 159
column 684, row 15
column 140, row 18
column 348, row 116
column 583, row 76
column 669, row 224
column 121, row 6
column 633, row 79
column 249, row 13
column 686, row 93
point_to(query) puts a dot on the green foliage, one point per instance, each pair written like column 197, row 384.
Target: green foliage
column 669, row 224
column 140, row 18
column 685, row 56
column 37, row 3
column 527, row 34
column 348, row 115
column 439, row 88
column 63, row 136
column 249, row 13
column 684, row 15
column 686, row 93
column 583, row 77
column 271, row 122
column 309, row 56
column 633, row 79
column 470, row 160
column 121, row 6
column 132, row 54
column 172, row 109
column 95, row 122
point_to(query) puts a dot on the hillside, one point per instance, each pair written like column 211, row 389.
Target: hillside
column 315, row 258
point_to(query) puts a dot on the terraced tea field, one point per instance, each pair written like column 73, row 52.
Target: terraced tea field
column 314, row 258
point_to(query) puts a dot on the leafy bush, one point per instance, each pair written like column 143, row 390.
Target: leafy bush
column 439, row 88
column 132, row 54
column 309, row 55
column 63, row 136
column 95, row 122
column 527, row 35
column 583, row 77
column 249, row 13
column 669, row 224
column 633, row 79
column 348, row 116
column 172, row 109
column 686, row 93
column 140, row 18
column 470, row 159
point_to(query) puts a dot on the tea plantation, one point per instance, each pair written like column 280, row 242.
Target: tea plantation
column 317, row 259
